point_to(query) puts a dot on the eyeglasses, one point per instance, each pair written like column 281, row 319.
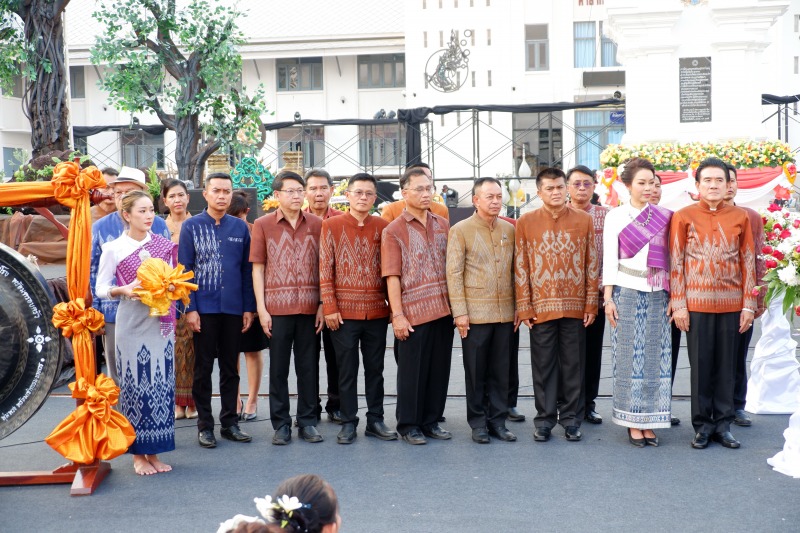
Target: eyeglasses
column 292, row 192
column 420, row 190
column 365, row 194
column 582, row 184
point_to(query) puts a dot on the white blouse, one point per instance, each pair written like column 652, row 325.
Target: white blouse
column 114, row 252
column 616, row 220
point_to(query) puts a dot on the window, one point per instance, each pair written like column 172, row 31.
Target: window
column 16, row 89
column 381, row 145
column 77, row 83
column 10, row 163
column 387, row 70
column 536, row 47
column 302, row 74
column 584, row 44
column 594, row 131
column 308, row 139
column 141, row 149
column 81, row 145
column 608, row 50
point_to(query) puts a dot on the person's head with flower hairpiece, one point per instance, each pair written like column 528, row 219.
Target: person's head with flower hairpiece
column 301, row 504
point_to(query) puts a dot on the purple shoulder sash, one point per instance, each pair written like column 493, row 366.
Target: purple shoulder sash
column 651, row 227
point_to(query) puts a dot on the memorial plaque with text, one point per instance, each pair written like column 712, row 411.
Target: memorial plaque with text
column 695, row 89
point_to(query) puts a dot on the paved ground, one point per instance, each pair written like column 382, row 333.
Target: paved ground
column 599, row 484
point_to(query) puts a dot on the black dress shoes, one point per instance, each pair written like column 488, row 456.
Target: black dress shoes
column 741, row 418
column 593, row 417
column 651, row 441
column 541, row 434
column 283, row 435
column 415, row 437
column 502, row 433
column 437, row 432
column 639, row 443
column 572, row 433
column 514, row 415
column 235, row 434
column 380, row 430
column 726, row 439
column 310, row 434
column 347, row 434
column 335, row 417
column 480, row 435
column 206, row 439
column 700, row 441
column 675, row 421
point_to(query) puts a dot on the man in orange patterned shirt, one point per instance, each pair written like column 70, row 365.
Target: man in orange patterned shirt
column 712, row 279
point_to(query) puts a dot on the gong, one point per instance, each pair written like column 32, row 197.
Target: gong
column 30, row 346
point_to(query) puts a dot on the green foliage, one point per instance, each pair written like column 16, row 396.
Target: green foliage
column 153, row 183
column 41, row 168
column 178, row 63
column 18, row 57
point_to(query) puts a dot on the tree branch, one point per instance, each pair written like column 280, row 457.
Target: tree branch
column 167, row 119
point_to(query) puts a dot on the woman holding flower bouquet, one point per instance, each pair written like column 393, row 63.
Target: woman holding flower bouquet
column 636, row 285
column 144, row 343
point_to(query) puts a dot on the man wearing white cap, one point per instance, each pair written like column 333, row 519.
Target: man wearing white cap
column 107, row 229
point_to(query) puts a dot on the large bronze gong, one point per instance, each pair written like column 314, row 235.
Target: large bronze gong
column 30, row 345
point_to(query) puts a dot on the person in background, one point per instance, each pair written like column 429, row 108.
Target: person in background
column 216, row 247
column 712, row 262
column 107, row 205
column 581, row 184
column 285, row 257
column 514, row 414
column 107, row 229
column 147, row 386
column 740, row 416
column 480, row 283
column 176, row 199
column 636, row 280
column 354, row 302
column 393, row 210
column 556, row 291
column 655, row 196
column 413, row 253
column 319, row 188
column 254, row 340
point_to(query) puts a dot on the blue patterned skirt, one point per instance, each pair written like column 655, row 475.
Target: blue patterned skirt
column 146, row 367
column 642, row 359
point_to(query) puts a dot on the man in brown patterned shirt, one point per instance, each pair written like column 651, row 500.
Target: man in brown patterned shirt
column 480, row 281
column 580, row 184
column 557, row 280
column 285, row 257
column 354, row 303
column 413, row 254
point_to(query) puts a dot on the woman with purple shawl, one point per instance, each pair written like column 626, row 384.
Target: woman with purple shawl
column 636, row 294
column 145, row 344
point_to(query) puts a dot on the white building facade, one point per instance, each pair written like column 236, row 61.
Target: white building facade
column 352, row 59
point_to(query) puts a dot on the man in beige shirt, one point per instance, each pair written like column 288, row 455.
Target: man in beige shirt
column 480, row 254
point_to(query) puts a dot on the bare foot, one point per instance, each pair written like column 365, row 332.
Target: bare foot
column 180, row 412
column 142, row 466
column 191, row 412
column 157, row 464
column 649, row 434
column 637, row 433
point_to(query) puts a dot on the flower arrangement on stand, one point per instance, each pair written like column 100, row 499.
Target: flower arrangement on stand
column 338, row 199
column 781, row 254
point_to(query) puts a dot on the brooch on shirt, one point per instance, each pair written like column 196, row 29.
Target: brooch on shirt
column 144, row 255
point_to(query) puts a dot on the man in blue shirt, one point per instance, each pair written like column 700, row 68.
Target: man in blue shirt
column 216, row 246
column 107, row 229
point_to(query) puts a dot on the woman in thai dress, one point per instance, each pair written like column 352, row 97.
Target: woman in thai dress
column 636, row 297
column 176, row 199
column 144, row 344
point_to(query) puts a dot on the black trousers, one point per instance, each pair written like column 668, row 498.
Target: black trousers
column 486, row 372
column 712, row 341
column 325, row 343
column 423, row 373
column 676, row 346
column 740, row 381
column 218, row 338
column 594, row 360
column 513, row 369
column 288, row 332
column 557, row 362
column 371, row 335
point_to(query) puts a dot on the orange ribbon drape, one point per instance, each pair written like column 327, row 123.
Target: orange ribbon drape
column 94, row 429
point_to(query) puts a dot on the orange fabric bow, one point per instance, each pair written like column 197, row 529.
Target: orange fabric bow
column 75, row 320
column 162, row 284
column 93, row 430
